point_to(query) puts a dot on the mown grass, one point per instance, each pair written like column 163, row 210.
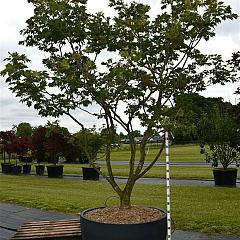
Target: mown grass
column 178, row 153
column 204, row 209
column 177, row 172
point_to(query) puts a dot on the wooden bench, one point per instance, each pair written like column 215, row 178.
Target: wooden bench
column 63, row 229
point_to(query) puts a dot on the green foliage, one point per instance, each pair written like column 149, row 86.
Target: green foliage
column 222, row 134
column 191, row 108
column 24, row 129
column 89, row 143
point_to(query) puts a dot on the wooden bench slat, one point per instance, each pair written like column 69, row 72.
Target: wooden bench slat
column 48, row 232
column 62, row 229
column 51, row 222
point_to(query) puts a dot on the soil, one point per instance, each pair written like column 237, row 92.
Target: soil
column 133, row 215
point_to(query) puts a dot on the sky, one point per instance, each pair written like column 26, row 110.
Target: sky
column 14, row 13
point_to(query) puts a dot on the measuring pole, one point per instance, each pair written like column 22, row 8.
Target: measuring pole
column 169, row 231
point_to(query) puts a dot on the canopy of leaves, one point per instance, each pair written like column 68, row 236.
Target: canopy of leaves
column 24, row 129
column 221, row 132
column 19, row 145
column 156, row 58
column 89, row 142
column 190, row 110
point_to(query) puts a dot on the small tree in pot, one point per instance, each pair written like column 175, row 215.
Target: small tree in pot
column 22, row 146
column 5, row 138
column 153, row 59
column 39, row 151
column 221, row 133
column 89, row 143
column 55, row 144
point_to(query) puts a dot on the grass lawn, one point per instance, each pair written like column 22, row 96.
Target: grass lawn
column 178, row 153
column 205, row 209
column 185, row 172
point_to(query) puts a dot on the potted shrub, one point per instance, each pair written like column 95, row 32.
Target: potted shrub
column 24, row 151
column 56, row 141
column 221, row 133
column 39, row 151
column 13, row 149
column 89, row 142
column 5, row 138
column 144, row 63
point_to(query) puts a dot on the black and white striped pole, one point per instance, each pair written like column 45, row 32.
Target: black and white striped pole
column 169, row 230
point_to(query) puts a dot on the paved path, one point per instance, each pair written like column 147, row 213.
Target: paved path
column 162, row 163
column 13, row 216
column 160, row 181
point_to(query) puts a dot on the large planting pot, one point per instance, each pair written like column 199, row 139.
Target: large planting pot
column 55, row 171
column 225, row 177
column 40, row 169
column 7, row 168
column 16, row 169
column 156, row 230
column 90, row 173
column 26, row 168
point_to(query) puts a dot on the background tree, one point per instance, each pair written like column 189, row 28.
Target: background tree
column 191, row 109
column 24, row 129
column 154, row 59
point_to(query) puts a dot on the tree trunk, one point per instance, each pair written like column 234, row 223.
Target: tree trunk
column 4, row 156
column 125, row 197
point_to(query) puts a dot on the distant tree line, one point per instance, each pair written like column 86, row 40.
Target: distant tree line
column 193, row 110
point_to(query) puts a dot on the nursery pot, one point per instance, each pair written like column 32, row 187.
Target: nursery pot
column 91, row 230
column 225, row 177
column 7, row 168
column 16, row 169
column 26, row 168
column 40, row 169
column 55, row 171
column 90, row 173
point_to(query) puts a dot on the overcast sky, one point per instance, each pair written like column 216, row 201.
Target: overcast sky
column 14, row 13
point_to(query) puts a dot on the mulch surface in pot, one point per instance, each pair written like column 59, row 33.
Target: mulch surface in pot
column 133, row 215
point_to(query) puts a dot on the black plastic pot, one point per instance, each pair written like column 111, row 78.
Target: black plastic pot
column 156, row 230
column 26, row 168
column 40, row 169
column 90, row 173
column 16, row 170
column 7, row 168
column 55, row 171
column 225, row 177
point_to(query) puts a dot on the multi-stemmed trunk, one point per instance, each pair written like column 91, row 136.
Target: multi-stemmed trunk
column 135, row 172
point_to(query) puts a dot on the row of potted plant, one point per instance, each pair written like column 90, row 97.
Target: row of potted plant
column 53, row 171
